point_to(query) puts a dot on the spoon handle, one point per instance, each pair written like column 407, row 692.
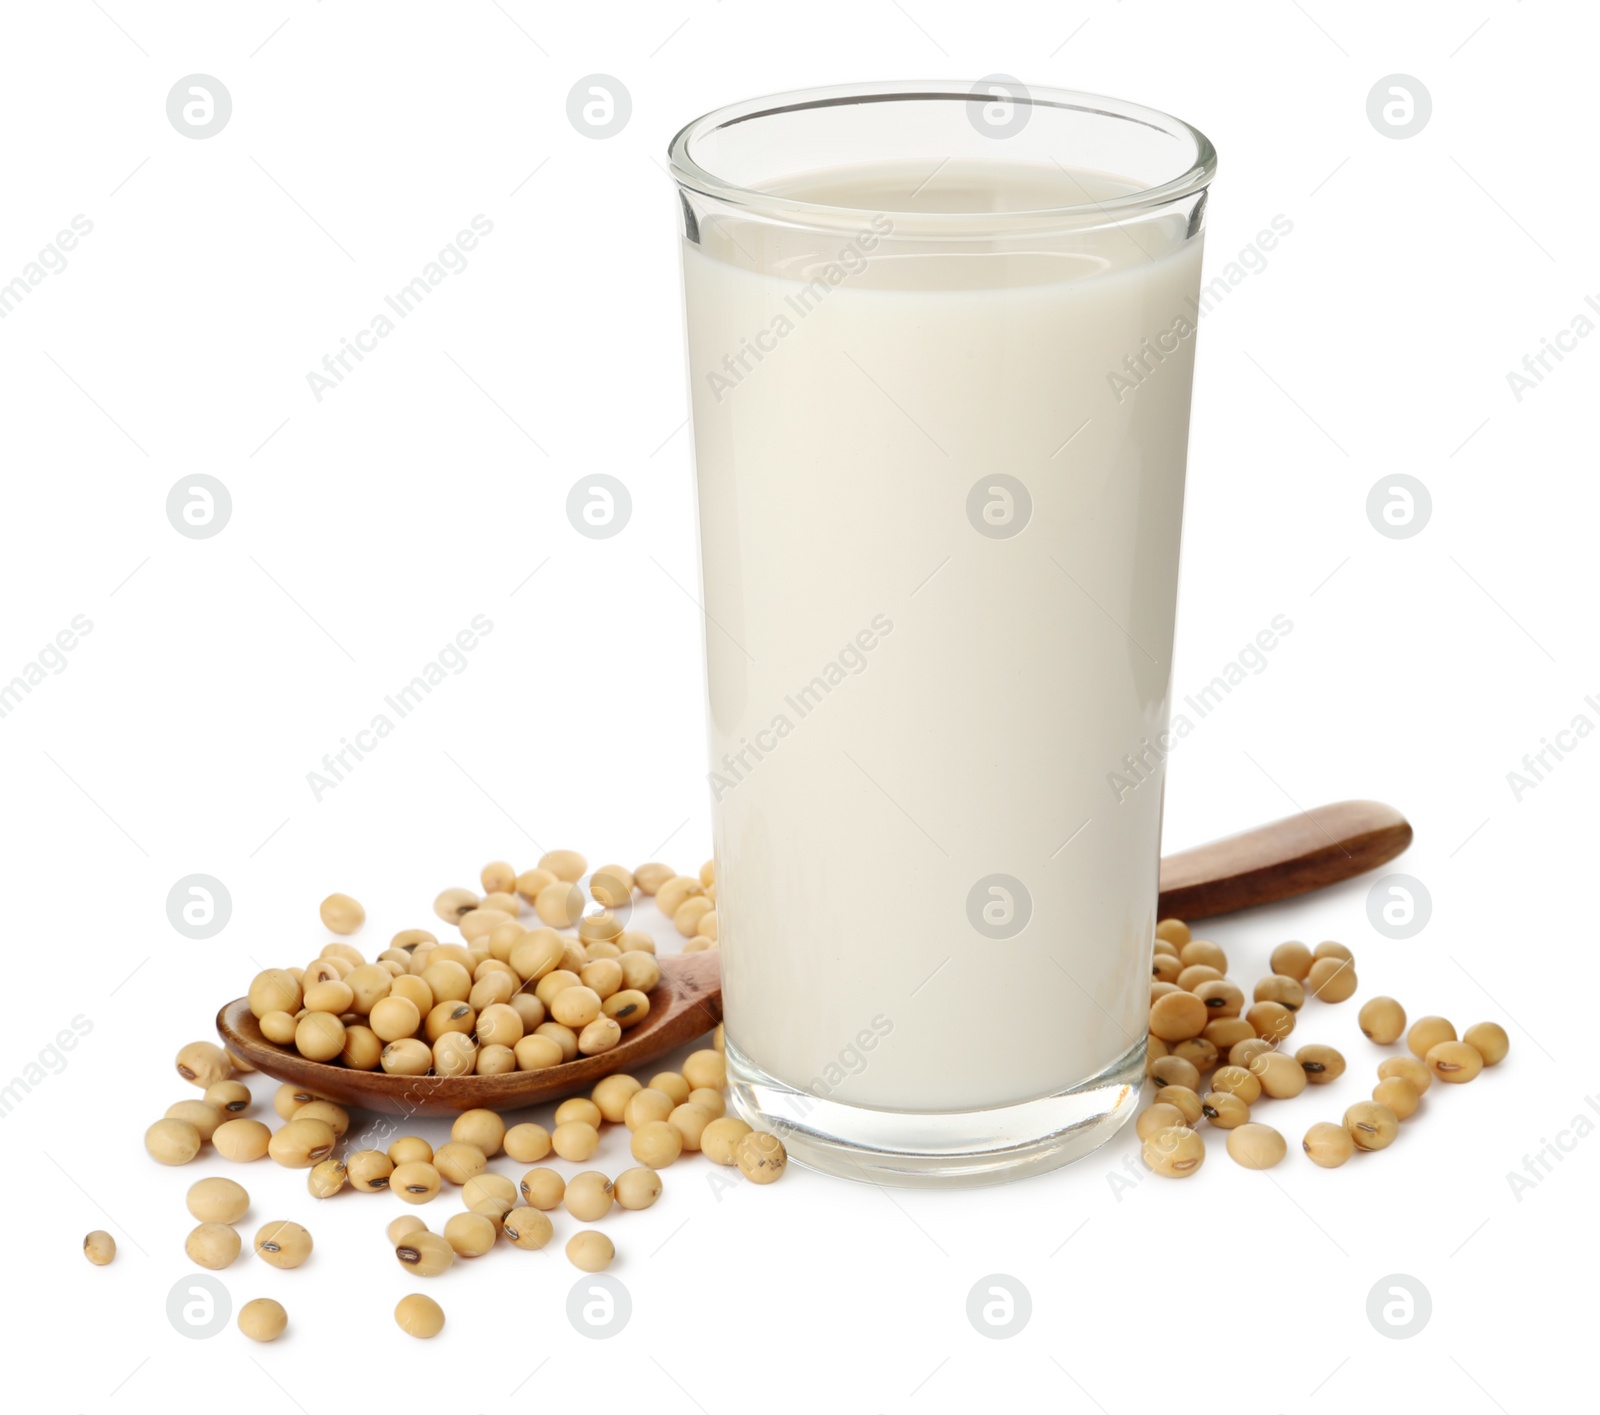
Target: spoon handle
column 1278, row 861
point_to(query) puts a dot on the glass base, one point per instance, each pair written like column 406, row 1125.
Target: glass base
column 939, row 1149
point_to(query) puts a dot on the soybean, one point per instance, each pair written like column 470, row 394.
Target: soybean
column 1321, row 1064
column 646, row 1105
column 1282, row 989
column 671, row 1084
column 576, row 1006
column 1381, row 1020
column 1203, row 951
column 414, row 1181
column 1408, row 1068
column 262, row 1319
column 482, row 1129
column 611, row 886
column 1372, row 1125
column 1174, row 1071
column 657, row 1144
column 670, row 896
column 453, row 904
column 459, row 1161
column 1489, row 1040
column 369, row 1170
column 471, row 1235
column 407, row 1057
column 578, row 1108
column 1291, row 960
column 319, row 1036
column 530, row 882
column 690, row 1122
column 537, row 1053
column 1454, row 1062
column 1399, row 1095
column 542, row 1188
column 342, row 914
column 411, row 1149
column 1332, row 979
column 1281, row 1076
column 566, row 865
column 1427, row 1032
column 241, row 1139
column 1175, row 1152
column 174, row 1141
column 395, row 1018
column 419, row 1316
column 217, row 1200
column 326, row 1179
column 589, row 1196
column 1159, row 1116
column 1256, row 1146
column 232, row 1097
column 1328, row 1145
column 527, row 1143
column 204, row 1116
column 1237, row 1081
column 274, row 990
column 99, row 1247
column 203, row 1064
column 576, row 1140
column 565, row 1038
column 1177, row 1017
column 651, row 876
column 528, row 1228
column 1243, row 1053
column 424, row 1253
column 302, row 1143
column 711, row 1100
column 719, row 1141
column 404, row 1226
column 212, row 1245
column 490, row 1194
column 1186, row 1101
column 590, row 1251
column 1224, row 1109
column 1198, row 1052
column 1194, row 974
column 705, row 1068
column 284, row 1245
column 1223, row 1001
column 497, row 877
column 336, row 1117
column 599, row 1036
column 636, row 1188
column 1227, row 1032
column 1271, row 1020
column 559, row 905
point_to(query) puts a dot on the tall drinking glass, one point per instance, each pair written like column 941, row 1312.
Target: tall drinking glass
column 941, row 341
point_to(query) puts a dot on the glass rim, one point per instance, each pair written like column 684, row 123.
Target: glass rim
column 688, row 172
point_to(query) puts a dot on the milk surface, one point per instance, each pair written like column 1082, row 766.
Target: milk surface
column 907, row 698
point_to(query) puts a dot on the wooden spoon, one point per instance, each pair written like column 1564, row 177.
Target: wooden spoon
column 1293, row 856
column 1278, row 861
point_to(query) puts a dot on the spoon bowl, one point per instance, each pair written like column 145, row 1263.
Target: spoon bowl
column 686, row 1003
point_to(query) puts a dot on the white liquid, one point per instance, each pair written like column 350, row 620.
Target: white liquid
column 1006, row 678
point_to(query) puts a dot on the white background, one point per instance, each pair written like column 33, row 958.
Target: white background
column 369, row 528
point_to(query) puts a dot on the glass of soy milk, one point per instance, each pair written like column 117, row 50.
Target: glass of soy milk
column 941, row 340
